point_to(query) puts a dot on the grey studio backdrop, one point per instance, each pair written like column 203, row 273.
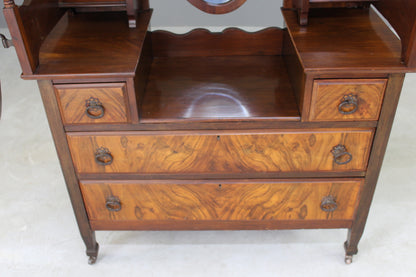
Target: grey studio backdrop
column 179, row 13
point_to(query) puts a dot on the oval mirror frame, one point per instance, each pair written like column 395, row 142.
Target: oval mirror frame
column 217, row 8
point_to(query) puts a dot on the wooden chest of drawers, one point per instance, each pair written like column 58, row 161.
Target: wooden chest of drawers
column 278, row 129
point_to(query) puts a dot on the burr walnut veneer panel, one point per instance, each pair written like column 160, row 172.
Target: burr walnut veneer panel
column 210, row 200
column 110, row 103
column 346, row 100
column 221, row 152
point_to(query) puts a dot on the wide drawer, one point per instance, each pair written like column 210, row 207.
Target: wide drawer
column 92, row 103
column 347, row 100
column 181, row 202
column 221, row 152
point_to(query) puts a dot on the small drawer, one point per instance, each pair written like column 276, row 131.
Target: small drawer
column 347, row 100
column 221, row 153
column 92, row 103
column 191, row 201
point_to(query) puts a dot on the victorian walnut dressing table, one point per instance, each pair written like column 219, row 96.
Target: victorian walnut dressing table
column 278, row 129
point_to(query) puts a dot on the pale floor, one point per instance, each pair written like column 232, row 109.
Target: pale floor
column 39, row 235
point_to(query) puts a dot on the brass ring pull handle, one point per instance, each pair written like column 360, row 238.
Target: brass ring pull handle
column 113, row 204
column 94, row 108
column 349, row 104
column 103, row 156
column 329, row 204
column 341, row 155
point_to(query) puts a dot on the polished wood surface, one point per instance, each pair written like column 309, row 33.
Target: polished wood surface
column 218, row 88
column 230, row 42
column 194, row 201
column 328, row 95
column 73, row 98
column 327, row 44
column 220, row 152
column 401, row 14
column 88, row 45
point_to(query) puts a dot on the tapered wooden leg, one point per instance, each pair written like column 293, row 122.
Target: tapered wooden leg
column 68, row 170
column 391, row 99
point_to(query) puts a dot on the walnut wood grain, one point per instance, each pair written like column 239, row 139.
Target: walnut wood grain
column 72, row 102
column 327, row 96
column 230, row 42
column 229, row 201
column 220, row 152
column 218, row 88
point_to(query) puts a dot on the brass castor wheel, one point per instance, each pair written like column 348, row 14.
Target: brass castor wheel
column 348, row 259
column 92, row 260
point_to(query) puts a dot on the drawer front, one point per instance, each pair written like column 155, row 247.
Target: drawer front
column 211, row 153
column 347, row 100
column 225, row 201
column 92, row 103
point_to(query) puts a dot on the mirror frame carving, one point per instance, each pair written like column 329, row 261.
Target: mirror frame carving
column 217, row 8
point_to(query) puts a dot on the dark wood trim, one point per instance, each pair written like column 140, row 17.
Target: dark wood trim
column 178, row 225
column 265, row 124
column 19, row 37
column 222, row 181
column 61, row 145
column 288, row 175
column 133, row 113
column 144, row 5
column 382, row 135
column 143, row 72
column 220, row 132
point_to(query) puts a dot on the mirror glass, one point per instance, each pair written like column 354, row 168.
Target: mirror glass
column 217, row 1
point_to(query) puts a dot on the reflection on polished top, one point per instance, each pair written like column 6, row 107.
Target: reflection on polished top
column 216, row 99
column 215, row 88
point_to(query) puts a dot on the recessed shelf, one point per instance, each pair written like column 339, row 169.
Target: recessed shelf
column 218, row 88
